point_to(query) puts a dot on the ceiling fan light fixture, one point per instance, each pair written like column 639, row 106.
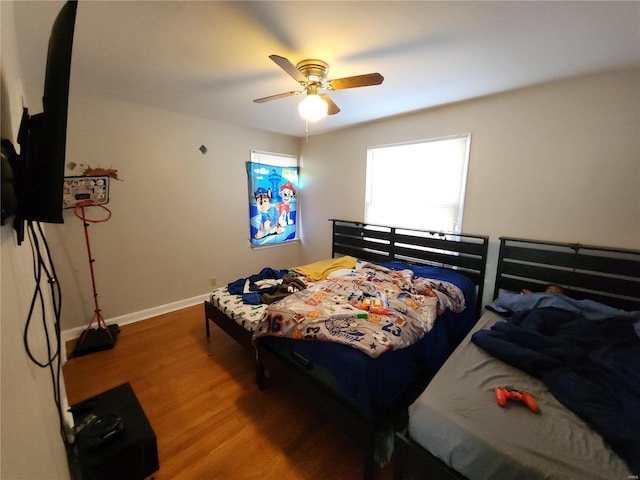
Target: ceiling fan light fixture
column 312, row 75
column 313, row 108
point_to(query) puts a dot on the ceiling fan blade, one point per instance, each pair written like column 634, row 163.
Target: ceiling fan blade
column 275, row 97
column 288, row 67
column 357, row 81
column 333, row 108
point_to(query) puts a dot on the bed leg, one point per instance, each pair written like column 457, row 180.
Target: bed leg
column 259, row 372
column 206, row 319
column 368, row 466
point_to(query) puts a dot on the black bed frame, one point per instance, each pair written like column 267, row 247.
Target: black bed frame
column 464, row 253
column 606, row 275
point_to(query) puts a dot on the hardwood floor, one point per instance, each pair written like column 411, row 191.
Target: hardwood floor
column 210, row 419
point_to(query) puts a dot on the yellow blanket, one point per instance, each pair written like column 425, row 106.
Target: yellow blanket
column 320, row 270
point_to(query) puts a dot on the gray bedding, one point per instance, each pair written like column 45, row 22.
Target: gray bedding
column 458, row 420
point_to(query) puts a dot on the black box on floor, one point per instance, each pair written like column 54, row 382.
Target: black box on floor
column 130, row 454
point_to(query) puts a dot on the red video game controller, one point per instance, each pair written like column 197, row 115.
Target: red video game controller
column 506, row 393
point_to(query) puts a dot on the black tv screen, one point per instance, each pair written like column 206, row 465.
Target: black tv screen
column 39, row 172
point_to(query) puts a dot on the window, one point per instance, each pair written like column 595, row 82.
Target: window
column 277, row 159
column 273, row 206
column 418, row 185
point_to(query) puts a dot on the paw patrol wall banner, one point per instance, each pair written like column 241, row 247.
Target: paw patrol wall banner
column 272, row 203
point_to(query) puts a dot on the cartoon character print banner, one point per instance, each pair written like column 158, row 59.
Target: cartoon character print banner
column 272, row 203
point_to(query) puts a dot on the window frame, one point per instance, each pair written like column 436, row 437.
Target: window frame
column 383, row 216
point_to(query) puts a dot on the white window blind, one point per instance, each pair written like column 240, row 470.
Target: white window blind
column 277, row 159
column 418, row 185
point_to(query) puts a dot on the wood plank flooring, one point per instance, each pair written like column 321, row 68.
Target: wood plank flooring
column 210, row 419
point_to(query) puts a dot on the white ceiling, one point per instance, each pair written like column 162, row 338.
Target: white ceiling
column 211, row 58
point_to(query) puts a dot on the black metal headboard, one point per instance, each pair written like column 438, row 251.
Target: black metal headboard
column 606, row 275
column 378, row 243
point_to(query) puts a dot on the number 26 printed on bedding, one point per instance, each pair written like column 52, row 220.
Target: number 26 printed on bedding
column 275, row 322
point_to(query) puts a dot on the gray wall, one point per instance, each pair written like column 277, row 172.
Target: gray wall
column 179, row 218
column 555, row 162
column 559, row 162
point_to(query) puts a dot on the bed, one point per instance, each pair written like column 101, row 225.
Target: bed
column 456, row 429
column 361, row 392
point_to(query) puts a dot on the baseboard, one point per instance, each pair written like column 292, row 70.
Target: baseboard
column 72, row 333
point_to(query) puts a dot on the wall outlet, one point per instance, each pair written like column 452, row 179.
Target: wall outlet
column 213, row 281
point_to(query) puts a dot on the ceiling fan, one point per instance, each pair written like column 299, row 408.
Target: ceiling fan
column 312, row 75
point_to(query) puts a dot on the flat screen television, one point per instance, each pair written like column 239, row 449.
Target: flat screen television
column 38, row 171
